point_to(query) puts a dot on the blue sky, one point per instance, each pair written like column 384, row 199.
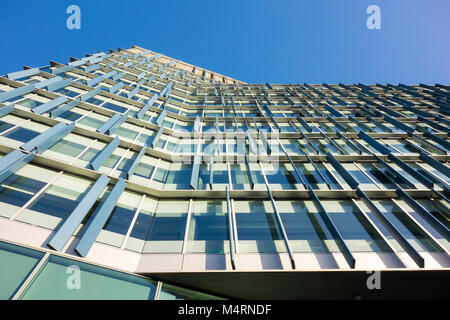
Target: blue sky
column 257, row 41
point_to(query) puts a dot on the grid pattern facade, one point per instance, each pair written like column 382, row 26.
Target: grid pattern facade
column 135, row 150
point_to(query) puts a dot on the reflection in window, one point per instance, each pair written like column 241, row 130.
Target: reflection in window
column 16, row 265
column 257, row 229
column 208, row 229
column 410, row 231
column 96, row 283
column 168, row 228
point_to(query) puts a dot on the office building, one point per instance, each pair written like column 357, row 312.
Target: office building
column 159, row 179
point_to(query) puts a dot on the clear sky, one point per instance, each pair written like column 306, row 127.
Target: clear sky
column 257, row 41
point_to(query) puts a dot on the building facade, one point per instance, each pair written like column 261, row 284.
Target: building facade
column 152, row 178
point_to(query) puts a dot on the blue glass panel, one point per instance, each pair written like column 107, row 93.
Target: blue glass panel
column 167, row 228
column 303, row 229
column 21, row 134
column 96, row 283
column 16, row 265
column 67, row 92
column 17, row 189
column 181, row 177
column 29, row 103
column 5, row 126
column 120, row 219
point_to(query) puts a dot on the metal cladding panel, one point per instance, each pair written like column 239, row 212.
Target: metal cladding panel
column 103, row 155
column 118, row 76
column 142, row 112
column 211, row 171
column 92, row 68
column 117, row 125
column 22, row 74
column 418, row 259
column 341, row 170
column 161, row 117
column 268, row 112
column 399, row 124
column 136, row 162
column 230, row 227
column 442, row 168
column 265, row 143
column 14, row 93
column 116, row 87
column 333, row 111
column 195, row 172
column 333, row 229
column 55, row 136
column 43, row 108
column 95, row 60
column 58, row 85
column 444, row 128
column 108, row 124
column 12, row 162
column 98, row 220
column 424, row 213
column 372, row 142
column 251, row 143
column 197, row 124
column 55, row 113
column 155, row 57
column 9, row 159
column 132, row 93
column 62, row 69
column 140, row 83
column 45, row 83
column 90, row 94
column 47, row 138
column 6, row 110
column 94, row 81
column 77, row 63
column 156, row 138
column 340, row 101
column 413, row 172
column 63, row 234
column 441, row 141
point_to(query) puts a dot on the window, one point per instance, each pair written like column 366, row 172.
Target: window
column 239, row 176
column 20, row 187
column 357, row 232
column 413, row 234
column 168, row 228
column 54, row 206
column 257, row 230
column 141, row 227
column 208, row 229
column 96, row 283
column 119, row 221
column 280, row 175
column 68, row 148
column 179, row 177
column 16, row 265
